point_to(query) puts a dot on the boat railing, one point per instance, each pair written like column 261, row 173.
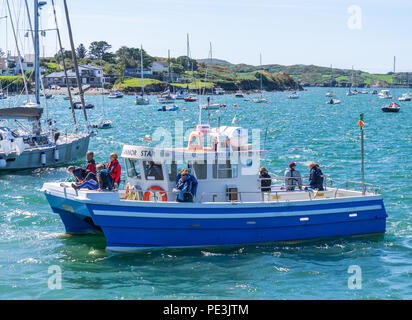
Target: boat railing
column 229, row 196
column 362, row 185
column 327, row 183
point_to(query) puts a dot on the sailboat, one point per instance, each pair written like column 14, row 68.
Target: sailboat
column 385, row 94
column 330, row 93
column 102, row 123
column 351, row 92
column 141, row 100
column 209, row 105
column 406, row 96
column 261, row 99
column 166, row 96
column 27, row 148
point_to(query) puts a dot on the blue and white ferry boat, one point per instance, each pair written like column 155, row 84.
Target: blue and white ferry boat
column 229, row 207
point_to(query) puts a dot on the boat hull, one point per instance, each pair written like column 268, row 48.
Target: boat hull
column 31, row 159
column 131, row 226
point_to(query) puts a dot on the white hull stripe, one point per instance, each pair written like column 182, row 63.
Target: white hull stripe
column 233, row 215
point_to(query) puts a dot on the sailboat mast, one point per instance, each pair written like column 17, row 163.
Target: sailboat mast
column 37, row 51
column 261, row 79
column 64, row 66
column 76, row 66
column 211, row 68
column 141, row 68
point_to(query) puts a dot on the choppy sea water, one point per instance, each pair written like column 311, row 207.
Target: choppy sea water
column 32, row 238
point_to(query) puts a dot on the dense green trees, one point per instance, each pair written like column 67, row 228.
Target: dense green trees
column 81, row 51
column 130, row 57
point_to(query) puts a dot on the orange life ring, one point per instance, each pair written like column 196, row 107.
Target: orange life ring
column 155, row 188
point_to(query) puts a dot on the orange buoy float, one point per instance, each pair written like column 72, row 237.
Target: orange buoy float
column 155, row 188
column 127, row 191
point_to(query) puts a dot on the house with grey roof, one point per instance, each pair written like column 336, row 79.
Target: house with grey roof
column 89, row 75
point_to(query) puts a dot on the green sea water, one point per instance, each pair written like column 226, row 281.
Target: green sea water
column 32, row 238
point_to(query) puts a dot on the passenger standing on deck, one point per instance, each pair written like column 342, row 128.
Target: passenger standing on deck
column 265, row 180
column 186, row 186
column 293, row 178
column 114, row 169
column 316, row 177
column 91, row 164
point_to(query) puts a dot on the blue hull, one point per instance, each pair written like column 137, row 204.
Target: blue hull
column 136, row 227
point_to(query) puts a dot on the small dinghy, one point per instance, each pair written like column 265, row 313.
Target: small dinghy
column 115, row 95
column 191, row 98
column 102, row 124
column 333, row 101
column 393, row 107
column 78, row 105
column 166, row 108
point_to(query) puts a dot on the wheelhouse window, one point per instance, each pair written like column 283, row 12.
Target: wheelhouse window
column 172, row 169
column 199, row 169
column 133, row 169
column 153, row 171
column 225, row 170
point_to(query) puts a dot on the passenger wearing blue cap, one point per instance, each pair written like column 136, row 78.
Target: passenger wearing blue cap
column 293, row 178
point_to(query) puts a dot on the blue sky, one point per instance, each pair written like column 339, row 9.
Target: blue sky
column 284, row 31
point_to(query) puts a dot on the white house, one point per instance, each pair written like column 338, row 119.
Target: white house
column 160, row 66
column 89, row 75
column 11, row 65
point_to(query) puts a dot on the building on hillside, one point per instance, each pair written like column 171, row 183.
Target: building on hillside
column 89, row 75
column 11, row 66
column 159, row 66
column 136, row 72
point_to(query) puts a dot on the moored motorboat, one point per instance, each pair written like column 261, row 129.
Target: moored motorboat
column 405, row 97
column 102, row 124
column 239, row 94
column 385, row 94
column 393, row 107
column 293, row 95
column 225, row 205
column 168, row 108
column 191, row 98
column 115, row 95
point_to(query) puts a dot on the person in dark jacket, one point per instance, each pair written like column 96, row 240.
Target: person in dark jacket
column 114, row 169
column 265, row 180
column 85, row 178
column 104, row 178
column 91, row 164
column 81, row 174
column 186, row 186
column 315, row 177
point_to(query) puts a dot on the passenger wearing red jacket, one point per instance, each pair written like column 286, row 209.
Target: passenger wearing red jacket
column 114, row 169
column 91, row 164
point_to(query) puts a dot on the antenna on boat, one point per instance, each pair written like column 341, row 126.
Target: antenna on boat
column 360, row 122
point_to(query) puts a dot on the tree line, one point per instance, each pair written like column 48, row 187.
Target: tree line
column 126, row 57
